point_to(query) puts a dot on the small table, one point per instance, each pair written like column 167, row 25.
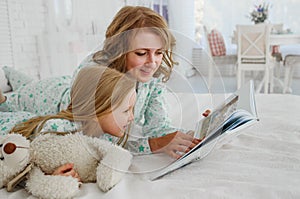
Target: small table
column 278, row 39
column 284, row 39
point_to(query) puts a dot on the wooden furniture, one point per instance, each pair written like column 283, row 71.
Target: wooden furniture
column 277, row 39
column 290, row 62
column 253, row 53
column 216, row 62
column 284, row 39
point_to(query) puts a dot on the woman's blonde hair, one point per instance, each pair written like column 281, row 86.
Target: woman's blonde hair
column 96, row 92
column 127, row 23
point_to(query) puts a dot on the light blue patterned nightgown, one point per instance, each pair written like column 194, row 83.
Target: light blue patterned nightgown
column 151, row 116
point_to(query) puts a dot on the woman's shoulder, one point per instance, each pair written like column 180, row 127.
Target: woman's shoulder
column 152, row 88
column 152, row 84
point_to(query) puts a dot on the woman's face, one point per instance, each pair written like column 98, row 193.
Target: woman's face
column 146, row 55
column 116, row 122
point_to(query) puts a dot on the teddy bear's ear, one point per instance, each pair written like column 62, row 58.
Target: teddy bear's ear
column 15, row 150
column 14, row 156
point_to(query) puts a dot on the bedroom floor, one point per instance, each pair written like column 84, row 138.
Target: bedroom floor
column 197, row 85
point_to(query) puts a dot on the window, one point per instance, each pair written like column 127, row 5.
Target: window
column 161, row 7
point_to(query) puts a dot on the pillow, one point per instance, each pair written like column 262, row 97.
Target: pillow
column 16, row 78
column 216, row 43
column 4, row 86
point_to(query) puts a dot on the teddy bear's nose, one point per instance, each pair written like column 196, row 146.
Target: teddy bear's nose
column 9, row 148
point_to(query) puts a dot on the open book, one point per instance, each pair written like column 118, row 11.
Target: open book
column 235, row 113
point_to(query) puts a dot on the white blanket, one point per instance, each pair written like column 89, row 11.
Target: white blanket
column 261, row 162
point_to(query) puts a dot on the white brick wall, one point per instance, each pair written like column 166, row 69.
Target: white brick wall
column 6, row 57
column 27, row 20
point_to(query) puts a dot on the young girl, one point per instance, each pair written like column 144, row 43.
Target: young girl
column 102, row 101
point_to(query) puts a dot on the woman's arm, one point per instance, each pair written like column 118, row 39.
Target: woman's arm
column 151, row 114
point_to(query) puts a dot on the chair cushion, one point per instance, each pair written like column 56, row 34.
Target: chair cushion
column 216, row 43
column 253, row 61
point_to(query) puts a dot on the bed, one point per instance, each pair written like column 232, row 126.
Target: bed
column 263, row 161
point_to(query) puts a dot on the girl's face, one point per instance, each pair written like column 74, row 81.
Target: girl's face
column 146, row 55
column 116, row 122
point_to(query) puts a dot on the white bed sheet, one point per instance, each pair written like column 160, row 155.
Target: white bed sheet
column 261, row 162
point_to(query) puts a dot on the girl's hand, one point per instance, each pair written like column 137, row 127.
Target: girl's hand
column 67, row 170
column 173, row 144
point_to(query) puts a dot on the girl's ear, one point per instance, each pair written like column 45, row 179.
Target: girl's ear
column 93, row 128
column 95, row 119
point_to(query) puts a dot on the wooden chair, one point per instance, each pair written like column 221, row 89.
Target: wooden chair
column 290, row 62
column 253, row 53
column 276, row 54
column 225, row 60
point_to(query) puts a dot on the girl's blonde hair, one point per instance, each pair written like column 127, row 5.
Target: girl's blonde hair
column 96, row 92
column 127, row 23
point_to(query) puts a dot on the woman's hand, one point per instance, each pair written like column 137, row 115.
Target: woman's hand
column 173, row 144
column 67, row 170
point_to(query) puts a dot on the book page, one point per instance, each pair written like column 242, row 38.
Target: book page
column 217, row 117
column 237, row 118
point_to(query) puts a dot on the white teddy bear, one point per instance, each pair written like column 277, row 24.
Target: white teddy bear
column 95, row 160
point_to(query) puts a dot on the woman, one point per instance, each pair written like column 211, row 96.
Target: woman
column 40, row 97
column 139, row 42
